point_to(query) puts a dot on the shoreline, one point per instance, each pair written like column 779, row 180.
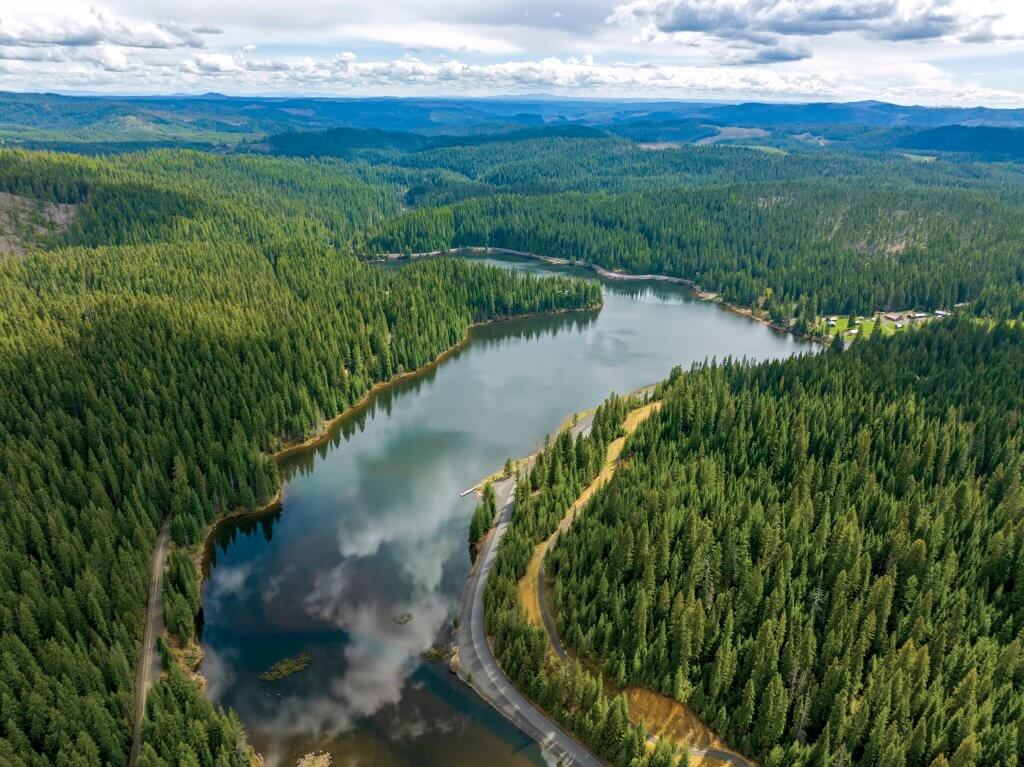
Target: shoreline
column 202, row 550
column 600, row 271
column 472, row 659
column 328, row 424
column 713, row 748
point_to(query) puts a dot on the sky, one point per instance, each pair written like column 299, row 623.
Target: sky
column 932, row 52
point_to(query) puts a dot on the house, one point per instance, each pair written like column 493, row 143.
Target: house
column 831, row 323
column 941, row 313
column 893, row 317
column 919, row 315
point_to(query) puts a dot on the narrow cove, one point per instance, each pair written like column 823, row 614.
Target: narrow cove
column 371, row 528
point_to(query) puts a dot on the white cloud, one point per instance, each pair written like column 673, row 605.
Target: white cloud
column 429, row 35
column 90, row 27
column 931, row 50
column 771, row 31
column 211, row 63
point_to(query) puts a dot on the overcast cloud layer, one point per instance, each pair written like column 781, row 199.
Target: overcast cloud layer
column 954, row 52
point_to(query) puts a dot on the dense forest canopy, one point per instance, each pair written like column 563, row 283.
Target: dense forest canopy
column 440, row 170
column 188, row 322
column 815, row 248
column 821, row 556
column 987, row 141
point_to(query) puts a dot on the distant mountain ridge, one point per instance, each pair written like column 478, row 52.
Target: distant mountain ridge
column 985, row 140
column 214, row 118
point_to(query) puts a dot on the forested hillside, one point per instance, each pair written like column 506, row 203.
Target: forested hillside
column 821, row 556
column 978, row 140
column 185, row 195
column 432, row 171
column 214, row 119
column 195, row 315
column 800, row 249
column 571, row 695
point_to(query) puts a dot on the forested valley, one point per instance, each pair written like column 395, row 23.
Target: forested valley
column 799, row 250
column 195, row 316
column 822, row 557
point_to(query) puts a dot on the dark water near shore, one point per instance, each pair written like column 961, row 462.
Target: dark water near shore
column 371, row 525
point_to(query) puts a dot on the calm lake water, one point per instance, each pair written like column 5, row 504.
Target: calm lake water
column 372, row 526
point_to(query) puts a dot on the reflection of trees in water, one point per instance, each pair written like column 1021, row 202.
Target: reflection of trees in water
column 482, row 338
column 663, row 291
column 248, row 525
column 531, row 329
column 226, row 534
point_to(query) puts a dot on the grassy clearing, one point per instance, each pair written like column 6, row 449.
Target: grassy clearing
column 865, row 327
column 764, row 148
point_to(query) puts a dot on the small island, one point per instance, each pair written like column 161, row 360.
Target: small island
column 286, row 667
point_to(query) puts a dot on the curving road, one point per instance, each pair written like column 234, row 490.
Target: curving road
column 148, row 668
column 478, row 667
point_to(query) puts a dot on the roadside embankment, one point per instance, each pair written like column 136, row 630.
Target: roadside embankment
column 663, row 717
column 476, row 663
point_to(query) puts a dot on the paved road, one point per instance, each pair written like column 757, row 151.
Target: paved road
column 148, row 668
column 479, row 668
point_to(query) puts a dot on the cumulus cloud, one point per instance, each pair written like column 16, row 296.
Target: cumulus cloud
column 93, row 27
column 768, row 31
column 679, row 48
column 346, row 73
column 212, row 63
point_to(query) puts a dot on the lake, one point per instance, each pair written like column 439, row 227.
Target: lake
column 371, row 526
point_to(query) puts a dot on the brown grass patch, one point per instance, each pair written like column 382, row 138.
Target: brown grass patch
column 668, row 718
column 528, row 586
